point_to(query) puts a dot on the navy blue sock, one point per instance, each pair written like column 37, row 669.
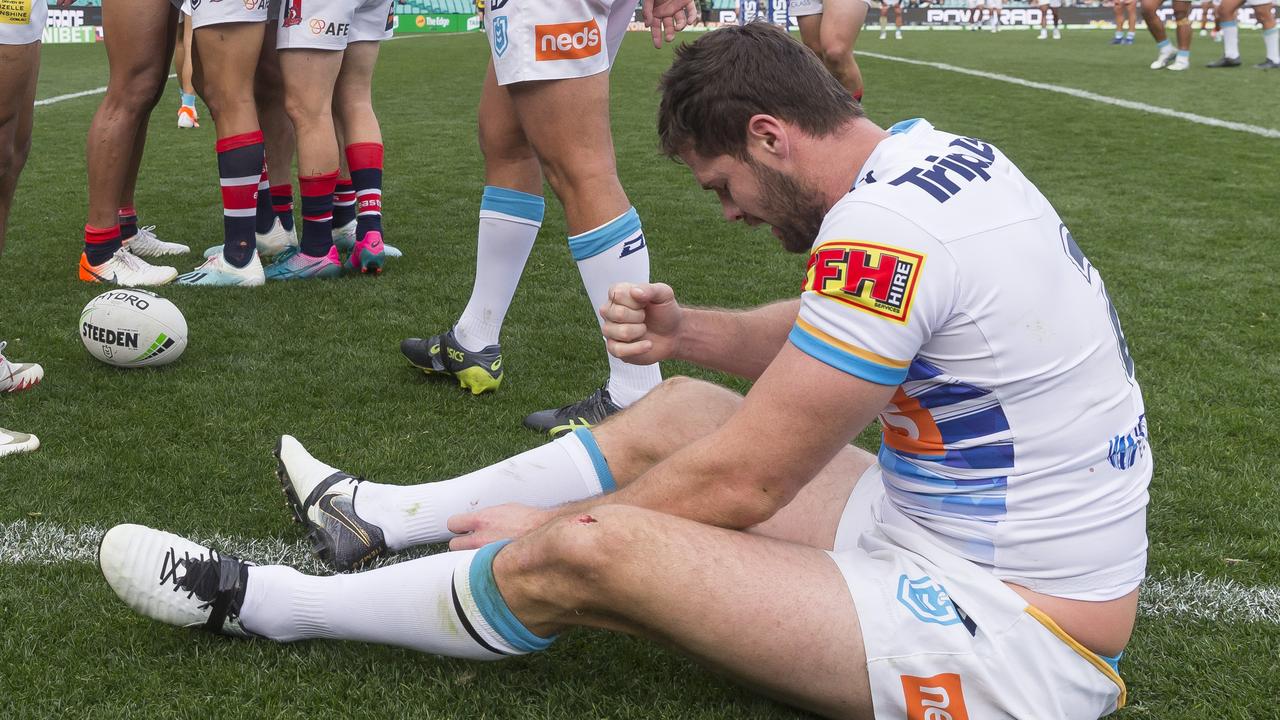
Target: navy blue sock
column 317, row 213
column 240, row 160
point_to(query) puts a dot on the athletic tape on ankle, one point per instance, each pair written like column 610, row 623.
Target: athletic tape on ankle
column 484, row 590
column 598, row 460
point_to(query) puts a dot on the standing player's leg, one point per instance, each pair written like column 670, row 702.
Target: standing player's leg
column 274, row 226
column 228, row 41
column 1230, row 34
column 19, row 66
column 897, row 20
column 309, row 77
column 1117, row 8
column 1044, row 20
column 1266, row 15
column 841, row 22
column 511, row 210
column 1132, row 7
column 362, row 135
column 139, row 38
column 884, row 20
column 1182, row 18
column 187, row 115
column 1165, row 50
column 1056, row 9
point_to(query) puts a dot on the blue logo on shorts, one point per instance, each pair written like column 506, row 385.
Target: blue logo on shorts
column 500, row 34
column 927, row 600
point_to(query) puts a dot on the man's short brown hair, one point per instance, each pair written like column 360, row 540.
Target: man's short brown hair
column 728, row 75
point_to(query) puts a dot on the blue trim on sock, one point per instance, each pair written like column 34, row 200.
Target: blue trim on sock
column 484, row 589
column 1113, row 661
column 1162, row 44
column 1228, row 23
column 189, row 100
column 1272, row 31
column 593, row 242
column 597, row 459
column 514, row 203
column 1184, row 53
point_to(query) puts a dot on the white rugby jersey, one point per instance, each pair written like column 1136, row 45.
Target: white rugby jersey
column 1017, row 434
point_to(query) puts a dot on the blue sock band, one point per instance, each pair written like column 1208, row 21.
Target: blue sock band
column 1162, row 44
column 592, row 243
column 514, row 203
column 1184, row 53
column 484, row 589
column 1272, row 31
column 597, row 459
column 189, row 99
column 1227, row 24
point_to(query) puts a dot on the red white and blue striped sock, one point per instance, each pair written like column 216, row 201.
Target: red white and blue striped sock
column 365, row 161
column 317, row 213
column 265, row 216
column 344, row 203
column 128, row 222
column 282, row 203
column 240, row 160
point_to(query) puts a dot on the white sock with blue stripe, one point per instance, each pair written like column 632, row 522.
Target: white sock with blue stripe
column 1230, row 39
column 1271, row 40
column 565, row 470
column 612, row 253
column 509, row 223
column 445, row 604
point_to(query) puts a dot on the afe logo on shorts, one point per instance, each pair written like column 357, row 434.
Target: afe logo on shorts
column 567, row 41
column 934, row 698
column 927, row 600
column 876, row 278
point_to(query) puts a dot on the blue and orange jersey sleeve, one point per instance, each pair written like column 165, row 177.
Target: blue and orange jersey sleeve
column 874, row 291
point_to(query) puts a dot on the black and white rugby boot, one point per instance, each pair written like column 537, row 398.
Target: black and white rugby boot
column 323, row 499
column 591, row 410
column 174, row 580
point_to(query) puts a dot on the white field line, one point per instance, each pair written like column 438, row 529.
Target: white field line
column 1186, row 597
column 1085, row 95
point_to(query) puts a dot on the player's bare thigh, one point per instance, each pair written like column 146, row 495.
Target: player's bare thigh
column 841, row 22
column 140, row 37
column 754, row 608
column 19, row 65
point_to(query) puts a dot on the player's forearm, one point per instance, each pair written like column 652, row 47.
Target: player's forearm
column 739, row 342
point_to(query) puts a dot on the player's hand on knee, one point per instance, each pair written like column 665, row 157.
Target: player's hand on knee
column 503, row 522
column 642, row 322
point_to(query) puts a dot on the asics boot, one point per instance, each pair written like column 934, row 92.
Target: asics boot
column 217, row 272
column 323, row 499
column 478, row 372
column 146, row 244
column 585, row 413
column 16, row 377
column 344, row 238
column 125, row 268
column 368, row 254
column 293, row 264
column 174, row 580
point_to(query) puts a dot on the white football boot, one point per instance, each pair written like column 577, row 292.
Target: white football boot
column 174, row 580
column 16, row 377
column 323, row 499
column 897, row 34
column 125, row 268
column 13, row 442
column 884, row 35
column 1057, row 34
column 217, row 272
column 1181, row 63
column 1044, row 34
column 344, row 238
column 271, row 243
column 1166, row 56
column 146, row 244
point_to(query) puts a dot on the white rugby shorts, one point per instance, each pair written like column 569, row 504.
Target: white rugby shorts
column 22, row 21
column 331, row 24
column 800, row 8
column 976, row 4
column 555, row 40
column 1051, row 3
column 220, row 12
column 945, row 638
column 890, row 3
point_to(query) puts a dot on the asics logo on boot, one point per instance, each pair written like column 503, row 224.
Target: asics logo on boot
column 456, row 355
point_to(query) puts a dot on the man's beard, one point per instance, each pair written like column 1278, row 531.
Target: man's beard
column 796, row 208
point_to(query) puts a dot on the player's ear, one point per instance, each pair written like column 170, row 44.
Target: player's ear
column 766, row 134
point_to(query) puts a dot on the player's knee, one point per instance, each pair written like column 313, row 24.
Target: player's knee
column 836, row 56
column 588, row 546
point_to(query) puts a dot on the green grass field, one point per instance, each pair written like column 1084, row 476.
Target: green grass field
column 1178, row 216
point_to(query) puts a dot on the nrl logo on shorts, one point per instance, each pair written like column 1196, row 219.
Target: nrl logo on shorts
column 927, row 600
column 500, row 34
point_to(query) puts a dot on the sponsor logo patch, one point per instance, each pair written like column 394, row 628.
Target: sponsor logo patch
column 876, row 278
column 934, row 698
column 927, row 600
column 567, row 41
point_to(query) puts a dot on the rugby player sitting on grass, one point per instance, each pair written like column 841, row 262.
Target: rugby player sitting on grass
column 986, row 562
